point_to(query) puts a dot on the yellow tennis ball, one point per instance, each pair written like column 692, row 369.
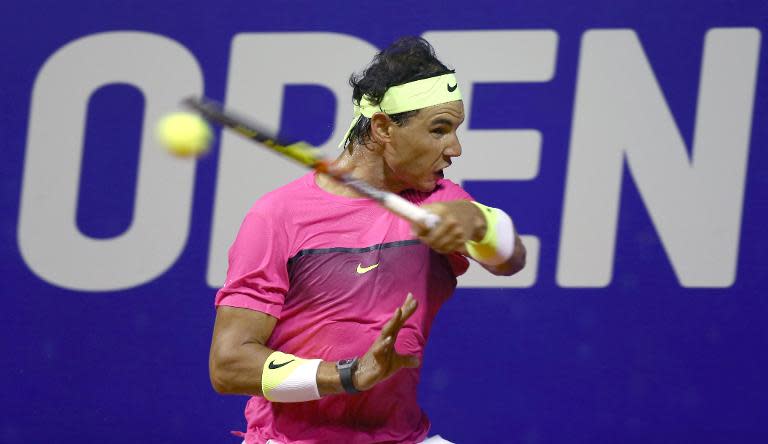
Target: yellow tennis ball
column 184, row 134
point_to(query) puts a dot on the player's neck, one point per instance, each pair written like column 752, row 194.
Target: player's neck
column 363, row 163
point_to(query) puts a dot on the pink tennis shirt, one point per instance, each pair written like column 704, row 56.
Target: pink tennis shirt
column 333, row 270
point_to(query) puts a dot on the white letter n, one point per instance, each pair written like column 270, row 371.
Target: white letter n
column 695, row 202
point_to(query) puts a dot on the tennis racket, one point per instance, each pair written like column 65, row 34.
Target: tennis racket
column 310, row 157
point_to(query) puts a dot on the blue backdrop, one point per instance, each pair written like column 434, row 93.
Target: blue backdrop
column 652, row 353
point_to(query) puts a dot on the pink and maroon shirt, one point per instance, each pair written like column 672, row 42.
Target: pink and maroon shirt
column 333, row 270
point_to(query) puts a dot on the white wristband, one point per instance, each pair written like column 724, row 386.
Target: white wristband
column 287, row 378
column 498, row 244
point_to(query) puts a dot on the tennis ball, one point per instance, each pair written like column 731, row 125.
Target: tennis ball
column 184, row 134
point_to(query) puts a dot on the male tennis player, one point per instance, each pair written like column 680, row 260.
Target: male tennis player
column 329, row 298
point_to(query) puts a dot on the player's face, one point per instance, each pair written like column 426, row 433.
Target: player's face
column 422, row 148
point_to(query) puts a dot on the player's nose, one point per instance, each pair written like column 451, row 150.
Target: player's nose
column 453, row 149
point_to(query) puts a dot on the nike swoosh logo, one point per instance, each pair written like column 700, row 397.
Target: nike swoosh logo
column 363, row 270
column 451, row 88
column 273, row 366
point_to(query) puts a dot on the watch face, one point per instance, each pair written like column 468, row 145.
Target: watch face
column 346, row 362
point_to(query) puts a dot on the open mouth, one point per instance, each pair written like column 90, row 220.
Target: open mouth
column 440, row 174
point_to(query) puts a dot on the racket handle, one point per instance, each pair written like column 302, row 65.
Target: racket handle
column 413, row 213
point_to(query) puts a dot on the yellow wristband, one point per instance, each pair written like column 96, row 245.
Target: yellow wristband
column 498, row 243
column 287, row 378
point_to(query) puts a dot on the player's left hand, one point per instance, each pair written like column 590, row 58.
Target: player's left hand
column 460, row 221
column 382, row 360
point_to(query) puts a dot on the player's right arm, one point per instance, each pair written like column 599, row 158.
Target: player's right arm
column 238, row 353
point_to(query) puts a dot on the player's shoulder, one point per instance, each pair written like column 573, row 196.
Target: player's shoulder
column 283, row 198
column 448, row 185
column 447, row 189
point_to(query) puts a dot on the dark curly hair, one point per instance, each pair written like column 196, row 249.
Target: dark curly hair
column 405, row 60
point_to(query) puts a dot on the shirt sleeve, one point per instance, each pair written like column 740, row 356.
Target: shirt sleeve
column 257, row 277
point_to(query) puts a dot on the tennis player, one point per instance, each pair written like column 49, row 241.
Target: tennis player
column 329, row 298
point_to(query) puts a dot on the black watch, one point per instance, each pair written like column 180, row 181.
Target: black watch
column 346, row 368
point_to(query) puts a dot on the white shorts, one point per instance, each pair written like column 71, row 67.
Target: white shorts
column 437, row 439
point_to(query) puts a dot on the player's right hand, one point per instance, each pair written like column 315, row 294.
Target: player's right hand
column 382, row 360
column 460, row 222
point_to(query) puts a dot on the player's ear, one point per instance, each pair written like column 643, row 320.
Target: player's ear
column 381, row 128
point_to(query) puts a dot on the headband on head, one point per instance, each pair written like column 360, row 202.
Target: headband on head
column 408, row 97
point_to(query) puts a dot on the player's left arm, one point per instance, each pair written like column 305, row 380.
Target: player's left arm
column 462, row 221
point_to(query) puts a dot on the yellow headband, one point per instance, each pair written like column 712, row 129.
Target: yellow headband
column 408, row 97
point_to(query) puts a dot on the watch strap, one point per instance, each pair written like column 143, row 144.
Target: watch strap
column 346, row 368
